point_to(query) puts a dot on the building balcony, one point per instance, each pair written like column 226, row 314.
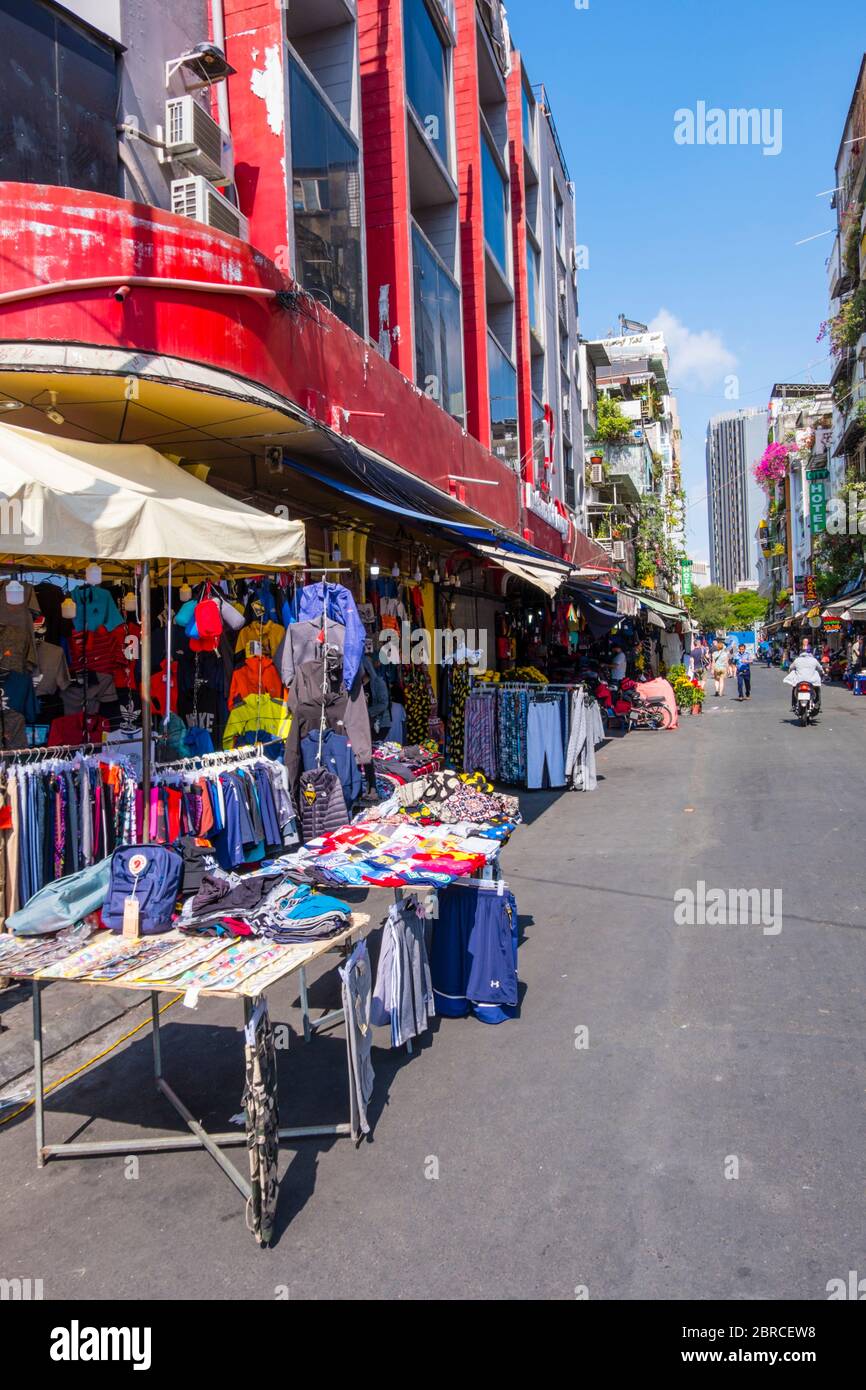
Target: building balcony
column 838, row 279
column 629, row 469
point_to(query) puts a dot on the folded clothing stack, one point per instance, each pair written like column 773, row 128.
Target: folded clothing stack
column 265, row 904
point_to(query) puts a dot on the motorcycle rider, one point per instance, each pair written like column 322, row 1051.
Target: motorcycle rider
column 805, row 667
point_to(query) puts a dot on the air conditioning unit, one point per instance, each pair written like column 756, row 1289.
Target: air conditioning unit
column 617, row 551
column 198, row 199
column 194, row 139
column 563, row 288
column 596, row 473
column 566, row 405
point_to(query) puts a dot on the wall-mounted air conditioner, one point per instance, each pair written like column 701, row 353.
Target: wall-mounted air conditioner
column 198, row 199
column 596, row 473
column 194, row 139
column 617, row 550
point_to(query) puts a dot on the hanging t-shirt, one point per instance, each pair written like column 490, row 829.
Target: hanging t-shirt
column 19, row 695
column 19, row 614
column 52, row 673
column 94, row 607
column 17, row 648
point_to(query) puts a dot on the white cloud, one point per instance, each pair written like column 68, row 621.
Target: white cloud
column 698, row 360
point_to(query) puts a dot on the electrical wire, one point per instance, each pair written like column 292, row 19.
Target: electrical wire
column 85, row 1065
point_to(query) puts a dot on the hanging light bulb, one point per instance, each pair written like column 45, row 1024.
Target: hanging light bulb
column 436, row 576
column 417, row 576
column 130, row 602
column 93, row 574
column 185, row 592
column 395, row 570
column 374, row 568
column 337, row 555
column 14, row 592
column 68, row 607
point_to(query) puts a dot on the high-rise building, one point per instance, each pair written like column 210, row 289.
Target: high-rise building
column 735, row 442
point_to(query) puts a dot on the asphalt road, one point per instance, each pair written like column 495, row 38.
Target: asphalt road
column 711, row 1050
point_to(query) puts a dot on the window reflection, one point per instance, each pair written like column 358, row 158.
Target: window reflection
column 438, row 328
column 495, row 205
column 533, row 262
column 503, row 404
column 426, row 74
column 326, row 188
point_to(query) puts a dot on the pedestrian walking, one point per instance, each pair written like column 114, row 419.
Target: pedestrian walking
column 720, row 666
column 744, row 673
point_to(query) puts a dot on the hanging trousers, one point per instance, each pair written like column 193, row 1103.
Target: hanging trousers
column 544, row 746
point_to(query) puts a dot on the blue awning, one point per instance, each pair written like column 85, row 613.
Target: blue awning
column 399, row 483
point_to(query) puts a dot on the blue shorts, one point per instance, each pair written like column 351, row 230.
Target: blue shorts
column 474, row 955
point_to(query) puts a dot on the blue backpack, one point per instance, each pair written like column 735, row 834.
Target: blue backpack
column 150, row 873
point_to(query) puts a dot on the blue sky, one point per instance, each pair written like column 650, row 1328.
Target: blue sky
column 702, row 235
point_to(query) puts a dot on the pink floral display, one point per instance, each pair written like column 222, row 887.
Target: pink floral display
column 773, row 465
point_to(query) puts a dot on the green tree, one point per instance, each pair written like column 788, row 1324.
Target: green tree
column 711, row 608
column 613, row 426
column 747, row 608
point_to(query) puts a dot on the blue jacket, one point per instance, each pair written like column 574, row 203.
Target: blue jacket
column 340, row 607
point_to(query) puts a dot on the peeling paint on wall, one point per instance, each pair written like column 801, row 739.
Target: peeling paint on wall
column 267, row 83
column 384, row 315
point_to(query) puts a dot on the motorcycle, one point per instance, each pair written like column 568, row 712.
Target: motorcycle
column 806, row 704
column 646, row 714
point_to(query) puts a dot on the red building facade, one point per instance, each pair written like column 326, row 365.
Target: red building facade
column 410, row 307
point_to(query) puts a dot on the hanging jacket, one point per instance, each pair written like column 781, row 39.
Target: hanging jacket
column 345, row 714
column 339, row 606
column 257, row 714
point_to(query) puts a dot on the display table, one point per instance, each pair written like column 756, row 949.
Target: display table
column 297, row 958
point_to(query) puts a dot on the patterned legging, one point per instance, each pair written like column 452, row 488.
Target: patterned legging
column 480, row 735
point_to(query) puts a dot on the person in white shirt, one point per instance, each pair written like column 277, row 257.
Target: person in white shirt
column 619, row 665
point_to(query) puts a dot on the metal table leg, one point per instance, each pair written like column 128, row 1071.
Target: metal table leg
column 38, row 1078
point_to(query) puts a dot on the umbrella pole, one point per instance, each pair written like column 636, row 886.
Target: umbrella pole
column 146, row 711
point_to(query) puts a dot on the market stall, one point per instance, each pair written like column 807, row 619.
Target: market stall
column 244, row 712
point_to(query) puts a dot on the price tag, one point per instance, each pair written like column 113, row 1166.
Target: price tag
column 190, row 999
column 131, row 919
column 255, row 649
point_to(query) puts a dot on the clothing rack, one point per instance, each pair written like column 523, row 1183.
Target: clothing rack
column 199, row 760
column 52, row 753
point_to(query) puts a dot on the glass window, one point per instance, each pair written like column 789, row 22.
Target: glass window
column 570, row 492
column 495, row 206
column 533, row 265
column 559, row 214
column 503, row 404
column 426, row 73
column 539, row 437
column 528, row 120
column 438, row 329
column 59, row 109
column 327, row 201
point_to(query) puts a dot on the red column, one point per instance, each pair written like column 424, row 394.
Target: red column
column 467, row 105
column 386, row 180
column 521, row 275
column 256, row 48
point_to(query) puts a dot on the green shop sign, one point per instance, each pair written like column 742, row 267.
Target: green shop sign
column 817, row 507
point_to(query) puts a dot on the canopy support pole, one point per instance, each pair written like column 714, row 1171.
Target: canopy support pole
column 146, row 708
